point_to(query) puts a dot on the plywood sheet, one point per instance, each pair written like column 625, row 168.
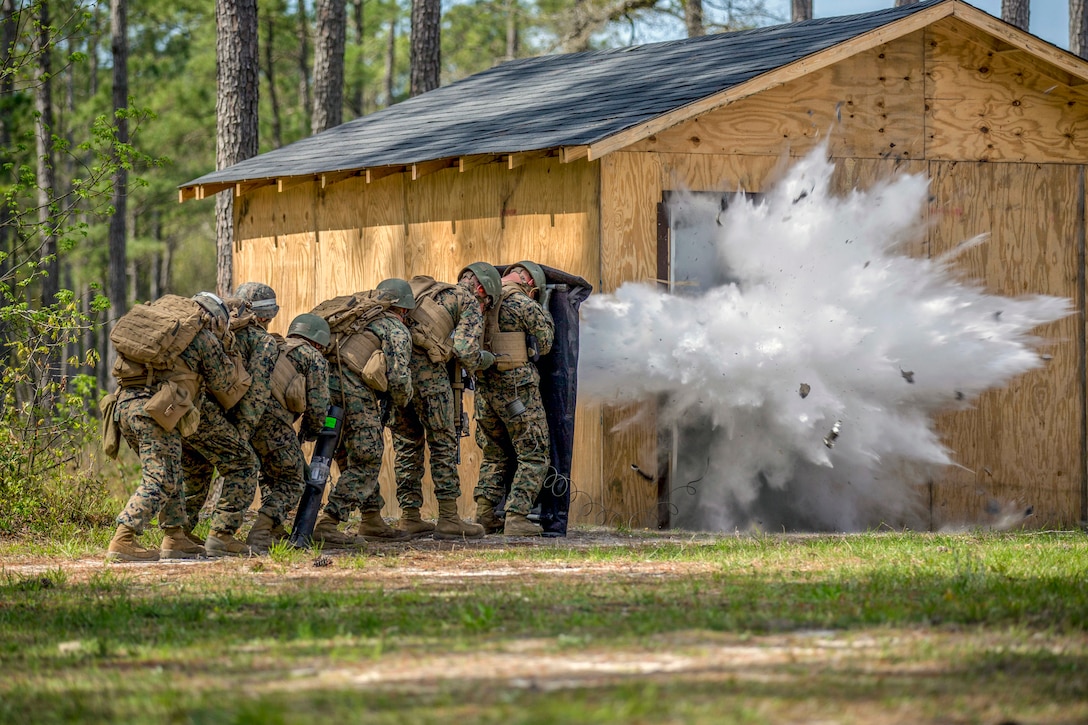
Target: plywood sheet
column 1020, row 446
column 988, row 104
column 870, row 104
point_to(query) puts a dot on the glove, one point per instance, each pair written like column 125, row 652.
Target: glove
column 487, row 359
column 546, row 296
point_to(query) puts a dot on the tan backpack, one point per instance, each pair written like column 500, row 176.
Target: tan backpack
column 153, row 334
column 433, row 323
column 288, row 384
column 352, row 344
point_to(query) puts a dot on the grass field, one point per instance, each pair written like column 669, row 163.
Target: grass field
column 600, row 627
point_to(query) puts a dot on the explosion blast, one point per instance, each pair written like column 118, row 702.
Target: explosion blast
column 799, row 391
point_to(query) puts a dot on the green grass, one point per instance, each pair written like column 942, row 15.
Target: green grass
column 863, row 628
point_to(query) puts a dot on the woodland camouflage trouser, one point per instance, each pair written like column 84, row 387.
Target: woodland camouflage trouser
column 515, row 447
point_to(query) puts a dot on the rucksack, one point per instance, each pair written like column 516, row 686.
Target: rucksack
column 349, row 314
column 153, row 334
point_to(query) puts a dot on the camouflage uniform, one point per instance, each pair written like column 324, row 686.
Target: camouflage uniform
column 520, row 442
column 222, row 441
column 283, row 465
column 429, row 416
column 359, row 455
column 160, row 489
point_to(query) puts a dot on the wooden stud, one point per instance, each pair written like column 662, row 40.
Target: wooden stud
column 465, row 163
column 336, row 177
column 429, row 167
column 382, row 172
column 244, row 187
column 290, row 182
column 573, row 153
column 515, row 160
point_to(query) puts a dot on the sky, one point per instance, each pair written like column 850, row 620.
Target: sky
column 1049, row 18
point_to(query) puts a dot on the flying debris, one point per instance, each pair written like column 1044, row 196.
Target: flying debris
column 833, row 434
column 908, row 375
column 805, row 390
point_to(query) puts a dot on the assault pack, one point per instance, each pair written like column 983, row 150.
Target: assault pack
column 433, row 323
column 153, row 334
column 510, row 349
column 288, row 384
column 352, row 344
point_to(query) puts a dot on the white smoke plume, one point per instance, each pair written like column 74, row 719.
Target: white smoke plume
column 803, row 385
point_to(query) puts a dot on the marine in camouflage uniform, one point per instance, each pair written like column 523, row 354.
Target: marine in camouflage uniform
column 430, row 418
column 283, row 465
column 359, row 454
column 223, row 443
column 516, row 446
column 160, row 453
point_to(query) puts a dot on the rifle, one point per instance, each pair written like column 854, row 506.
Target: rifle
column 460, row 417
column 317, row 475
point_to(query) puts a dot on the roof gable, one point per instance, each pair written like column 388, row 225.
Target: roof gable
column 600, row 100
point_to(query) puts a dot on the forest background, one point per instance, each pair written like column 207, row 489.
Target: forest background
column 106, row 107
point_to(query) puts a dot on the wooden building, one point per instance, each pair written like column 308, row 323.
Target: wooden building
column 566, row 159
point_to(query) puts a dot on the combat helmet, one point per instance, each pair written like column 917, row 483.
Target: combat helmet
column 488, row 277
column 400, row 290
column 535, row 271
column 261, row 299
column 213, row 304
column 310, row 327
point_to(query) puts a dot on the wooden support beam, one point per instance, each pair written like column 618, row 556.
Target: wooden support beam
column 290, row 182
column 573, row 153
column 429, row 167
column 336, row 177
column 515, row 160
column 185, row 193
column 203, row 191
column 245, row 187
column 381, row 172
column 470, row 162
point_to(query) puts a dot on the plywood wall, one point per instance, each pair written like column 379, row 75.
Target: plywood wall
column 1003, row 137
column 312, row 243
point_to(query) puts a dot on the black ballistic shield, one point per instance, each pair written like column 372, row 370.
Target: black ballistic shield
column 317, row 477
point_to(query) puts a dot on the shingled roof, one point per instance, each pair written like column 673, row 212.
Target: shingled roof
column 578, row 99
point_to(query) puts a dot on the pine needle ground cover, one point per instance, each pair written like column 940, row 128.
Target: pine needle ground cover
column 600, row 627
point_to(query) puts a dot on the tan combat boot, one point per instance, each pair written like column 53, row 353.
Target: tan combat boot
column 520, row 525
column 485, row 516
column 374, row 528
column 260, row 536
column 124, row 547
column 326, row 531
column 194, row 538
column 279, row 533
column 177, row 545
column 220, row 543
column 411, row 522
column 450, row 525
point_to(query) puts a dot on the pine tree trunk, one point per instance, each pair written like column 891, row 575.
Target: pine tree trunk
column 117, row 232
column 801, row 10
column 331, row 32
column 903, row 3
column 512, row 42
column 303, row 63
column 270, row 74
column 426, row 61
column 43, row 105
column 237, row 61
column 356, row 100
column 1016, row 12
column 390, row 61
column 693, row 18
column 1078, row 28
